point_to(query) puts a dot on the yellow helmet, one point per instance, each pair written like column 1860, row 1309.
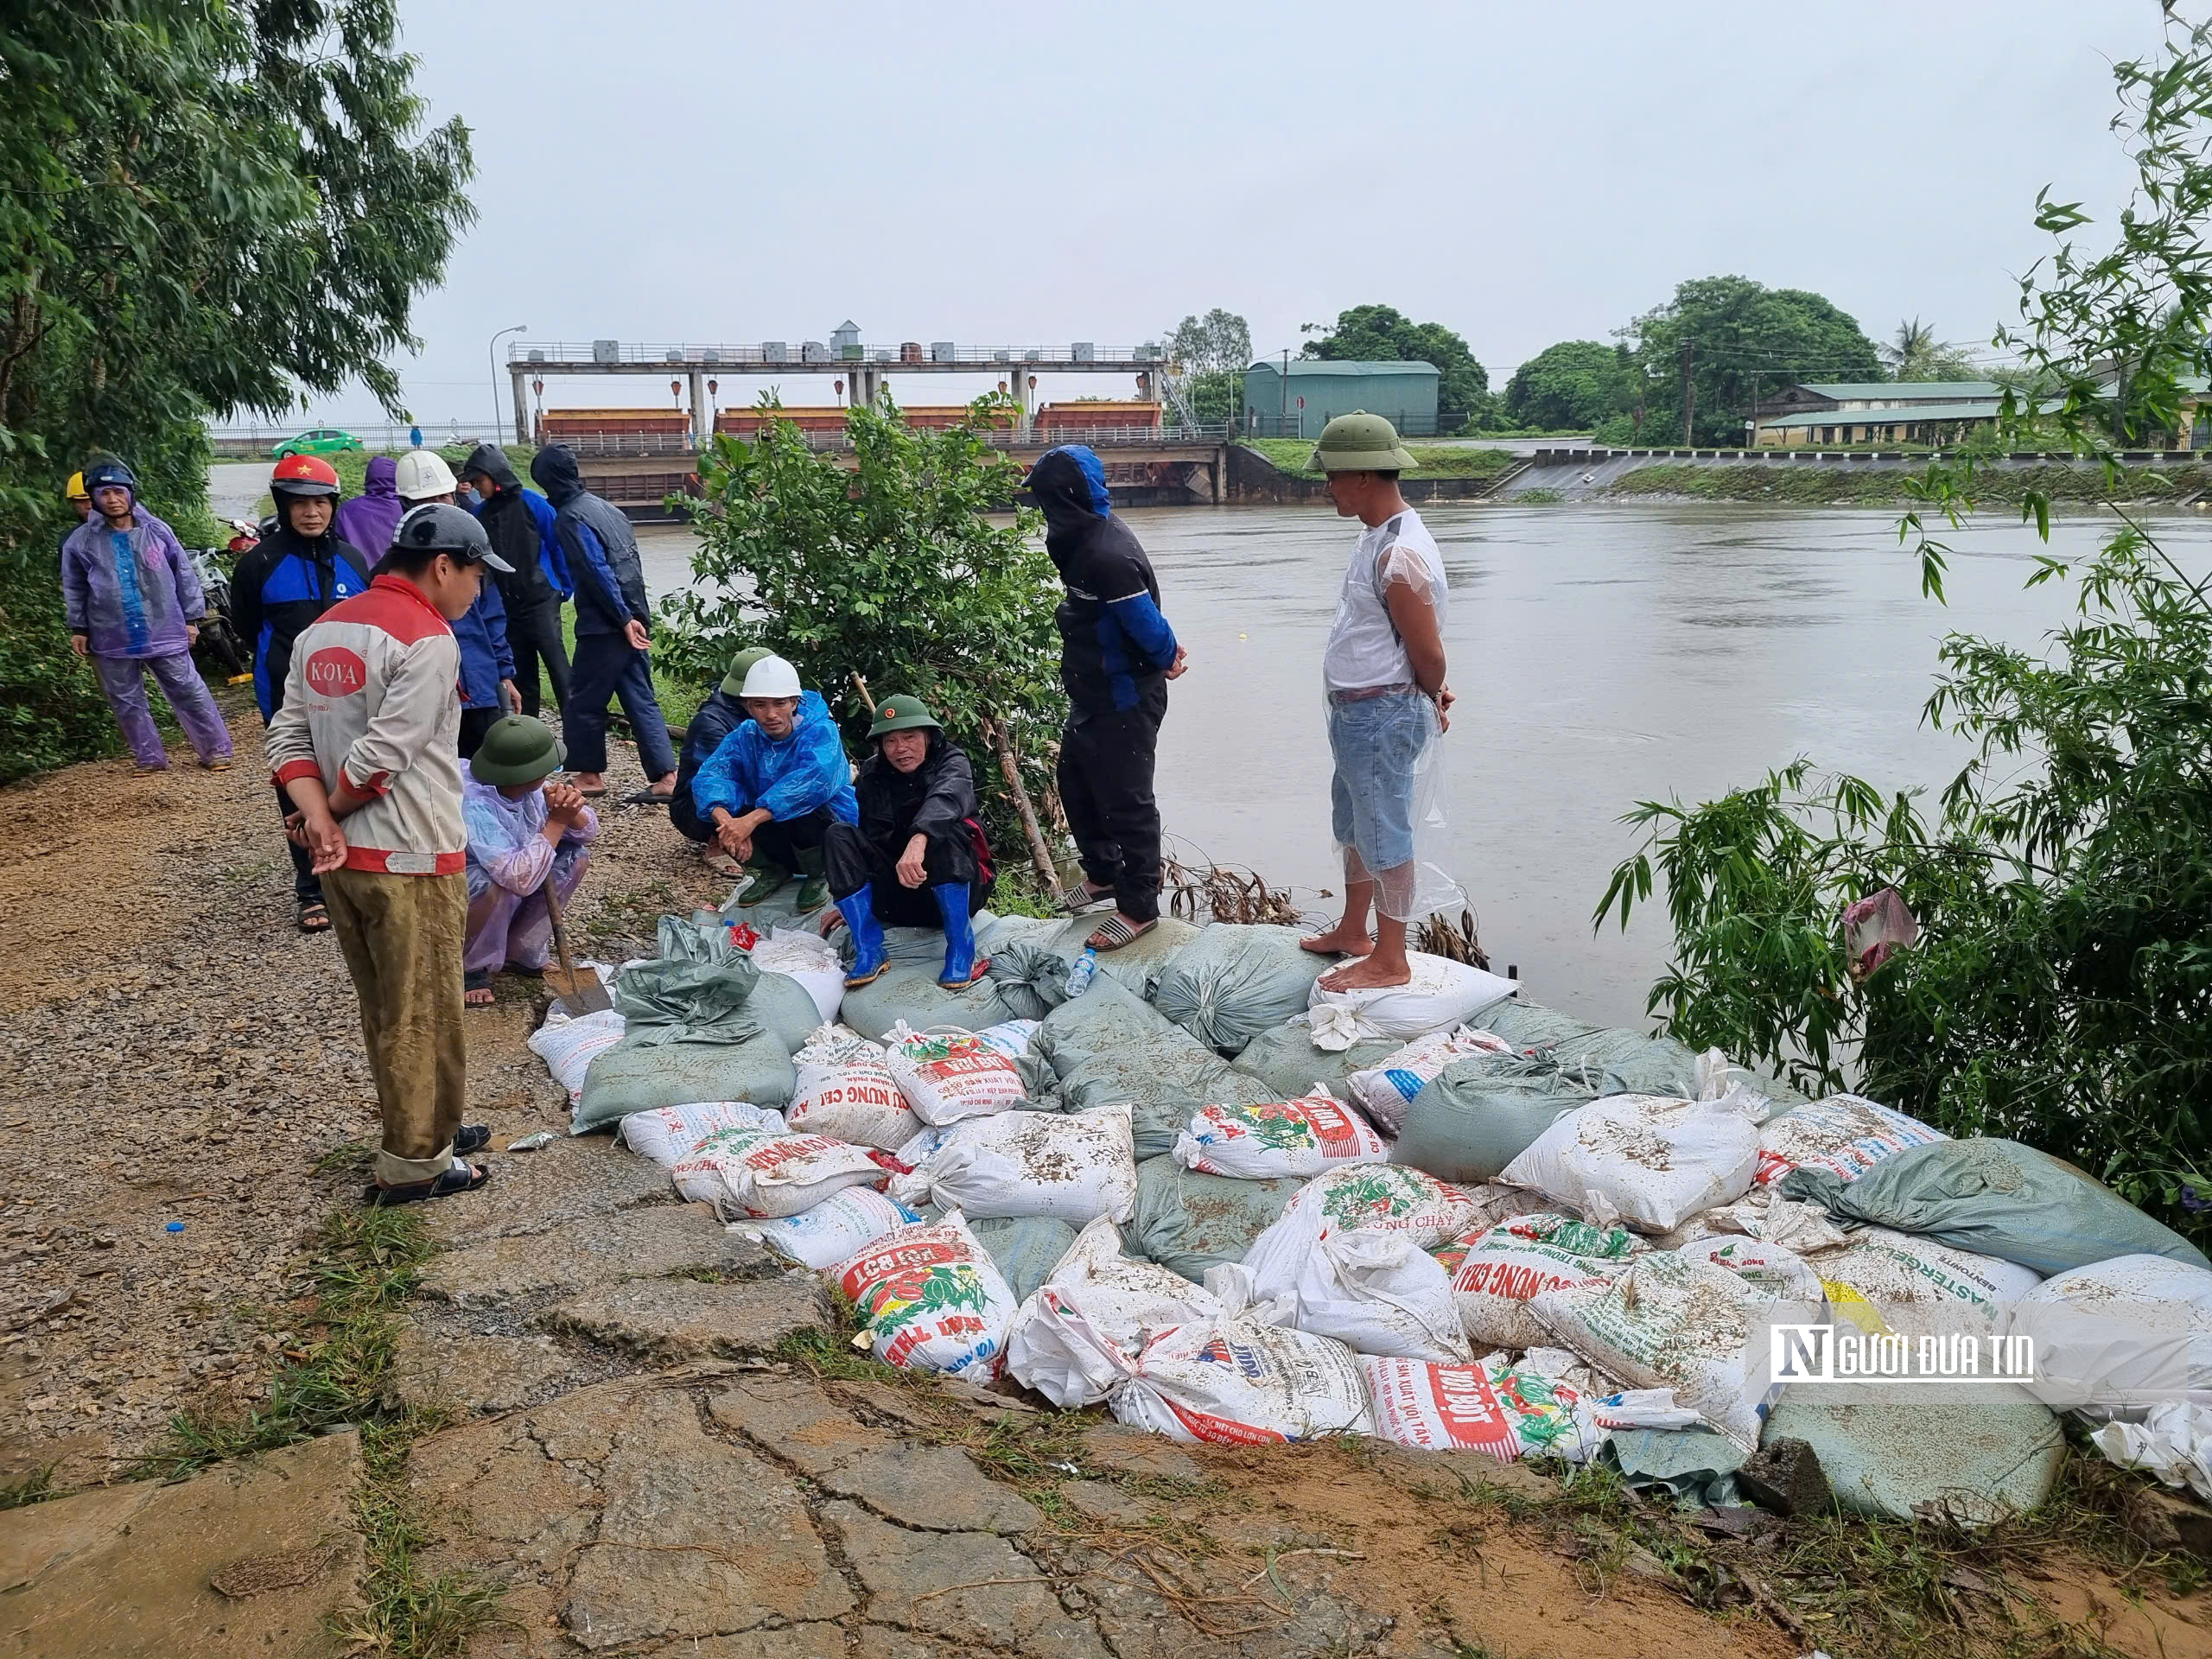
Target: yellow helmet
column 75, row 490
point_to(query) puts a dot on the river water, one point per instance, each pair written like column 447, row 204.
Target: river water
column 1602, row 654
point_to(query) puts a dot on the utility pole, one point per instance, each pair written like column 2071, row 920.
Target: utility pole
column 1689, row 391
column 1282, row 415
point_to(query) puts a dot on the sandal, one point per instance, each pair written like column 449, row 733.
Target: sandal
column 645, row 797
column 315, row 917
column 218, row 763
column 456, row 1179
column 475, row 979
column 1112, row 933
column 1085, row 898
column 470, row 1137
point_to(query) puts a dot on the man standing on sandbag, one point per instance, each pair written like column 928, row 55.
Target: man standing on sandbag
column 775, row 785
column 917, row 857
column 364, row 746
column 1383, row 674
column 1118, row 654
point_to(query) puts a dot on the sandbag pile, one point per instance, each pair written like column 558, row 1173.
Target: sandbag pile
column 1228, row 1205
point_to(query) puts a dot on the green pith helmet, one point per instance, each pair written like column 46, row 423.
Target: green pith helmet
column 1360, row 442
column 741, row 666
column 518, row 749
column 901, row 713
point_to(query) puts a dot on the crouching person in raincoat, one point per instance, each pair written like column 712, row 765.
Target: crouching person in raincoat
column 917, row 857
column 524, row 833
column 773, row 787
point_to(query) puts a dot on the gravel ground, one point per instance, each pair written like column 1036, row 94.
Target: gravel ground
column 178, row 1051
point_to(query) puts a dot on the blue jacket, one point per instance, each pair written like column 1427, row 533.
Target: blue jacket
column 600, row 548
column 1115, row 643
column 787, row 779
column 485, row 659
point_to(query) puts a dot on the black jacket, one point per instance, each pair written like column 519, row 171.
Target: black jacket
column 718, row 716
column 602, row 552
column 281, row 587
column 1115, row 644
column 938, row 795
column 511, row 529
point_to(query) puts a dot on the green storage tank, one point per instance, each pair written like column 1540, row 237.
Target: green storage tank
column 1317, row 391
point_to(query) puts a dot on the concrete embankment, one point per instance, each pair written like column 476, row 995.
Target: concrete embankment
column 1254, row 479
column 1838, row 478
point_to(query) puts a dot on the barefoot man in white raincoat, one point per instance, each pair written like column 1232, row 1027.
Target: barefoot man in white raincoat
column 1388, row 706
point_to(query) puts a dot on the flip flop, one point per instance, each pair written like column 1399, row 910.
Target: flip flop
column 592, row 794
column 1112, row 933
column 456, row 1179
column 645, row 797
column 1084, row 899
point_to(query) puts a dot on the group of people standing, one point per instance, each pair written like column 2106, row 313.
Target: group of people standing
column 432, row 830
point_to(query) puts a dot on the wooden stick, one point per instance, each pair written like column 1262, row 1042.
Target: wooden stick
column 1038, row 853
column 868, row 697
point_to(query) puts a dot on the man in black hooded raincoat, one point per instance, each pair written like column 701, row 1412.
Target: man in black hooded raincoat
column 1118, row 654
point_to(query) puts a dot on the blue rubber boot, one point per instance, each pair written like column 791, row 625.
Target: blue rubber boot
column 961, row 967
column 859, row 911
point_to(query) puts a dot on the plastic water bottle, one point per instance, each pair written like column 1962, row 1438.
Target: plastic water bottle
column 1085, row 969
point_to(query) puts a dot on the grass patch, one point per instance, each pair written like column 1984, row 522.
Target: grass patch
column 679, row 698
column 366, row 1263
column 1437, row 460
column 34, row 1487
column 1538, row 498
column 1791, row 483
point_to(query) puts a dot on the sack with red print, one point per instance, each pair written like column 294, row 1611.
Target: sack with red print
column 847, row 1092
column 931, row 1299
column 1238, row 1381
column 763, row 1174
column 1500, row 1270
column 1508, row 1412
column 948, row 1075
column 1305, row 1136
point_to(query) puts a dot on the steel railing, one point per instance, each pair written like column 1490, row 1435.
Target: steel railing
column 607, row 445
column 818, row 354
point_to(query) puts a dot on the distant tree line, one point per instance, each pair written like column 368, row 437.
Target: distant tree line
column 1727, row 340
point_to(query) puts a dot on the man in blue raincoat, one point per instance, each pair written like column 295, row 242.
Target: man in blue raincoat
column 772, row 787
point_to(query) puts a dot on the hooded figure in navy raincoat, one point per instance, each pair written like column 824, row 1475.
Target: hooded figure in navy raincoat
column 1118, row 654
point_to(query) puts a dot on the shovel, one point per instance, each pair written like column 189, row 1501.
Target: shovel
column 583, row 995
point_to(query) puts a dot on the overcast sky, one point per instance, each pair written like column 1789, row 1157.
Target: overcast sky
column 690, row 170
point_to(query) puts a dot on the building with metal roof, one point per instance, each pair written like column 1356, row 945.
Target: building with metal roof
column 1297, row 399
column 1874, row 411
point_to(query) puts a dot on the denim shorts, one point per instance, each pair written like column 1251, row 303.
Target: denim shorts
column 1377, row 744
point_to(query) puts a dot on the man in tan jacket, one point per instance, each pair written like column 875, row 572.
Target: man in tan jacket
column 364, row 745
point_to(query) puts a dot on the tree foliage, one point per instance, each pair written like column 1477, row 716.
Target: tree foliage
column 2061, row 990
column 208, row 206
column 891, row 571
column 1220, row 342
column 1575, row 384
column 1913, row 352
column 1746, row 340
column 1381, row 334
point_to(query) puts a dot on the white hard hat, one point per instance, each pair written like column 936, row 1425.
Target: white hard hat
column 423, row 473
column 771, row 677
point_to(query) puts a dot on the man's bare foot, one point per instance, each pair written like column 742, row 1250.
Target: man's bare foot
column 666, row 786
column 1338, row 943
column 590, row 783
column 1368, row 975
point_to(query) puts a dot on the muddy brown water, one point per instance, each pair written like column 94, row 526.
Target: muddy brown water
column 1603, row 655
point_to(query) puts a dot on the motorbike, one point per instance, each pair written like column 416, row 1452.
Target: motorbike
column 219, row 649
